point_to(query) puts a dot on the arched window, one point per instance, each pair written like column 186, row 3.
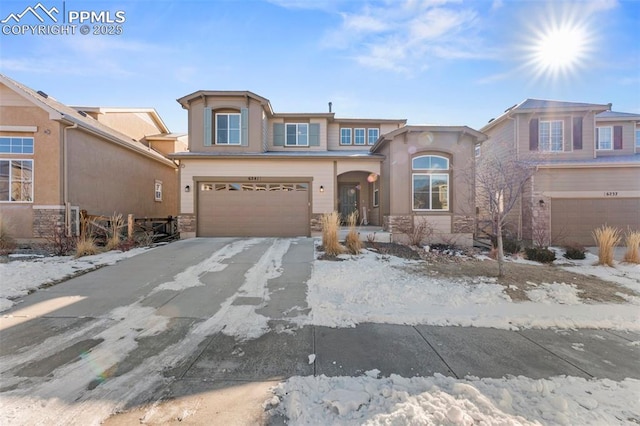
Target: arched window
column 430, row 183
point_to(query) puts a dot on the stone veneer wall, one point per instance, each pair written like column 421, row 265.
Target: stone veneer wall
column 187, row 225
column 316, row 222
column 46, row 220
column 463, row 224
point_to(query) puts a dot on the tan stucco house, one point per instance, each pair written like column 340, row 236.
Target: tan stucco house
column 56, row 160
column 250, row 171
column 587, row 167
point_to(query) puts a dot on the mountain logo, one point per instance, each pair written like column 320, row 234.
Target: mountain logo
column 39, row 11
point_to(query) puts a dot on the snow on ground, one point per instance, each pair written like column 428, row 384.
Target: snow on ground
column 625, row 274
column 368, row 400
column 20, row 276
column 374, row 288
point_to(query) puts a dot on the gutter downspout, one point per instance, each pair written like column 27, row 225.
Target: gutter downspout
column 65, row 177
column 517, row 143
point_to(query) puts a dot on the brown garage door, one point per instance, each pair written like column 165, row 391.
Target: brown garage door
column 243, row 209
column 575, row 219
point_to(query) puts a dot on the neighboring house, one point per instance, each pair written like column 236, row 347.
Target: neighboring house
column 587, row 161
column 56, row 160
column 250, row 171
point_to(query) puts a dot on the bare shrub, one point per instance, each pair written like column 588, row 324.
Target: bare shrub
column 606, row 238
column 330, row 226
column 417, row 232
column 632, row 239
column 7, row 243
column 352, row 240
column 57, row 241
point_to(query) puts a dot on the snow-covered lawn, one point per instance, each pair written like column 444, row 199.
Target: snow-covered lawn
column 380, row 288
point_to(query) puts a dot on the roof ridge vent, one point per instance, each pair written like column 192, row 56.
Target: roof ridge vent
column 41, row 93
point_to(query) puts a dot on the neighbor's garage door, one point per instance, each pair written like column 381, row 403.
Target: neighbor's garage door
column 575, row 219
column 253, row 209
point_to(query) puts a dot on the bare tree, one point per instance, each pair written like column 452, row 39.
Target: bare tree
column 500, row 182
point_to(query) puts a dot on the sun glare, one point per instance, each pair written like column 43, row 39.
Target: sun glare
column 558, row 45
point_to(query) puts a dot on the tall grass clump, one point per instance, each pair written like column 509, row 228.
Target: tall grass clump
column 352, row 240
column 633, row 246
column 86, row 246
column 116, row 223
column 330, row 227
column 607, row 238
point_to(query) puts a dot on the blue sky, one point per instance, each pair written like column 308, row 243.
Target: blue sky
column 433, row 61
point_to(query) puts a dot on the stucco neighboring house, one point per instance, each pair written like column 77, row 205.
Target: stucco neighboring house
column 56, row 160
column 587, row 168
column 250, row 171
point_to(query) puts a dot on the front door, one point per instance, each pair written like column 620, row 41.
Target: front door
column 348, row 199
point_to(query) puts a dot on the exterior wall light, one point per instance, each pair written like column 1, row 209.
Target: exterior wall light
column 187, row 188
column 321, row 188
column 541, row 202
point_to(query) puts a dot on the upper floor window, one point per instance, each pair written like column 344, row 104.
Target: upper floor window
column 551, row 135
column 16, row 180
column 477, row 150
column 345, row 136
column 297, row 134
column 228, row 129
column 430, row 187
column 359, row 136
column 637, row 138
column 373, row 135
column 13, row 145
column 604, row 138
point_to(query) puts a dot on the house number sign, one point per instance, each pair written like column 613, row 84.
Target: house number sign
column 611, row 194
column 254, row 178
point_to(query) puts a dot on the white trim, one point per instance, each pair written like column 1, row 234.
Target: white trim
column 215, row 128
column 550, row 137
column 598, row 139
column 32, row 182
column 45, row 207
column 19, row 129
column 286, row 125
column 350, row 136
column 364, row 135
column 369, row 141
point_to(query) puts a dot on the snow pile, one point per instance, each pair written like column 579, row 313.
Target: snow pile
column 442, row 400
column 19, row 277
column 383, row 289
column 625, row 274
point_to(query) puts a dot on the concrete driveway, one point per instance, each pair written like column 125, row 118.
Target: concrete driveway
column 198, row 331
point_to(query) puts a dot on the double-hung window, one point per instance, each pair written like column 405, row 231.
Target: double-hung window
column 16, row 180
column 345, row 136
column 359, row 137
column 551, row 136
column 604, row 138
column 228, row 129
column 430, row 183
column 637, row 139
column 297, row 134
column 372, row 135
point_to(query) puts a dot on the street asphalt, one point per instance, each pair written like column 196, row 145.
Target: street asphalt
column 55, row 328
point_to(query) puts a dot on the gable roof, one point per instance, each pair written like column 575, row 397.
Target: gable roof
column 153, row 114
column 464, row 130
column 185, row 100
column 61, row 112
column 544, row 105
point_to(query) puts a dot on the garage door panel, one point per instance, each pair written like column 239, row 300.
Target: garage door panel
column 262, row 210
column 575, row 219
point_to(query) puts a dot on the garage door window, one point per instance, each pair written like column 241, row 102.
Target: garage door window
column 289, row 187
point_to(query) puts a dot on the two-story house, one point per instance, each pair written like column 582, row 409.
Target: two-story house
column 587, row 168
column 56, row 160
column 250, row 171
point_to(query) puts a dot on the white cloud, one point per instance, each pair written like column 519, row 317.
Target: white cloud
column 408, row 35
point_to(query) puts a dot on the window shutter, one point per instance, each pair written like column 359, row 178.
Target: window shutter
column 244, row 126
column 533, row 134
column 617, row 137
column 577, row 133
column 314, row 134
column 278, row 134
column 207, row 126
